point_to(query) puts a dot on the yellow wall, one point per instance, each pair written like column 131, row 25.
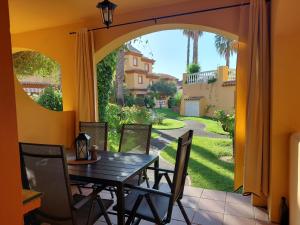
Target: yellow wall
column 285, row 95
column 216, row 95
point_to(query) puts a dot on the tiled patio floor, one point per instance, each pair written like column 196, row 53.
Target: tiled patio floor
column 208, row 207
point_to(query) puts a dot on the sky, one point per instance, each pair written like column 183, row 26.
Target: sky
column 169, row 48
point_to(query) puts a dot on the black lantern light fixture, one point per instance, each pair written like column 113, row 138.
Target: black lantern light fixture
column 107, row 10
column 82, row 146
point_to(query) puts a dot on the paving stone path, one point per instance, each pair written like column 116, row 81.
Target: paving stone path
column 167, row 136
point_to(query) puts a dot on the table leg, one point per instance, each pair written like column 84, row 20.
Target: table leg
column 120, row 204
column 156, row 174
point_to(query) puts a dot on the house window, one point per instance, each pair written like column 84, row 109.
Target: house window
column 147, row 67
column 135, row 61
column 140, row 79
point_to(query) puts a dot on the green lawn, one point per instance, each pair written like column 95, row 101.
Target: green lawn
column 169, row 124
column 211, row 125
column 210, row 164
column 154, row 134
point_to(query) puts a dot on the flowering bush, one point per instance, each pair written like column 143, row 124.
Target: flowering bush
column 227, row 121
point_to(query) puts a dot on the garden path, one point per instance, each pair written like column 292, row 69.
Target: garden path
column 167, row 136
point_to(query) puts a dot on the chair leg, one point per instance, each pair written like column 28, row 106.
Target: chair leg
column 134, row 210
column 103, row 209
column 147, row 178
column 186, row 218
column 79, row 189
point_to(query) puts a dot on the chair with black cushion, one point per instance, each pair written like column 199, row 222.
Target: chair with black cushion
column 97, row 131
column 135, row 138
column 156, row 206
column 44, row 169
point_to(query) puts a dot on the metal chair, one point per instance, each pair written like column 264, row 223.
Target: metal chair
column 156, row 206
column 97, row 131
column 43, row 168
column 135, row 138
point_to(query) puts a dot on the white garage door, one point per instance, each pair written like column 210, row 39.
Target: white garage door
column 191, row 108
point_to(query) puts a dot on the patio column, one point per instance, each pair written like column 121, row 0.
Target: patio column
column 11, row 192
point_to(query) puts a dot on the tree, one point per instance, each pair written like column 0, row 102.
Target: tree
column 225, row 47
column 120, row 75
column 163, row 89
column 30, row 63
column 189, row 35
column 105, row 71
column 196, row 35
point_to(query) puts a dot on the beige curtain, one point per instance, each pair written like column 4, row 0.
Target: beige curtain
column 86, row 91
column 257, row 146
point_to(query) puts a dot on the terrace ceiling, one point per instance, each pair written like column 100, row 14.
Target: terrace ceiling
column 28, row 15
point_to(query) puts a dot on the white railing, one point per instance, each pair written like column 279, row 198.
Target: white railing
column 201, row 77
column 231, row 74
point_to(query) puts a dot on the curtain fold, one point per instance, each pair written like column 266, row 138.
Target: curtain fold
column 86, row 91
column 257, row 145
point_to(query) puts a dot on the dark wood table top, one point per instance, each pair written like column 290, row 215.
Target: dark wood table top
column 112, row 168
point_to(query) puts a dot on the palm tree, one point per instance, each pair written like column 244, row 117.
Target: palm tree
column 225, row 47
column 120, row 76
column 196, row 35
column 189, row 35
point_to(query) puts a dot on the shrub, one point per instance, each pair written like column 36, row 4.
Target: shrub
column 211, row 80
column 193, row 68
column 51, row 99
column 129, row 100
column 178, row 97
column 227, row 121
column 149, row 102
column 139, row 101
column 158, row 118
column 171, row 102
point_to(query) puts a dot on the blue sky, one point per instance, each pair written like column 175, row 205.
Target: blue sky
column 168, row 48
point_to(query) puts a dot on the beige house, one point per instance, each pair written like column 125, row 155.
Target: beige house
column 206, row 92
column 138, row 73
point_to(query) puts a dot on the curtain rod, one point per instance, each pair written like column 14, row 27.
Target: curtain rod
column 171, row 16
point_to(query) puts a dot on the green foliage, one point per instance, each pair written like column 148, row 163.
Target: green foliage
column 171, row 102
column 30, row 63
column 51, row 99
column 158, row 118
column 129, row 100
column 178, row 97
column 169, row 124
column 227, row 121
column 212, row 80
column 163, row 88
column 139, row 101
column 225, row 47
column 105, row 71
column 194, row 68
column 149, row 102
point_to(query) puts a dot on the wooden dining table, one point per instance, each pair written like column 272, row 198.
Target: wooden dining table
column 114, row 169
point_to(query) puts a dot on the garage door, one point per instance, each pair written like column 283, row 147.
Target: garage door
column 191, row 108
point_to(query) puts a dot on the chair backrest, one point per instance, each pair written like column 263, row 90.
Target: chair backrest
column 43, row 169
column 181, row 166
column 97, row 131
column 135, row 138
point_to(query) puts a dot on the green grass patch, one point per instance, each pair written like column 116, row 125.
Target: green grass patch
column 169, row 124
column 210, row 166
column 155, row 135
column 169, row 113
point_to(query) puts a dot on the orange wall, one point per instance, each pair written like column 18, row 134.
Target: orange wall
column 48, row 127
column 285, row 95
column 10, row 188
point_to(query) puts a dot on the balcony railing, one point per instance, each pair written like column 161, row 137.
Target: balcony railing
column 231, row 74
column 201, row 77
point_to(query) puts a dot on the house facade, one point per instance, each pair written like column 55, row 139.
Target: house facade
column 206, row 92
column 139, row 73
